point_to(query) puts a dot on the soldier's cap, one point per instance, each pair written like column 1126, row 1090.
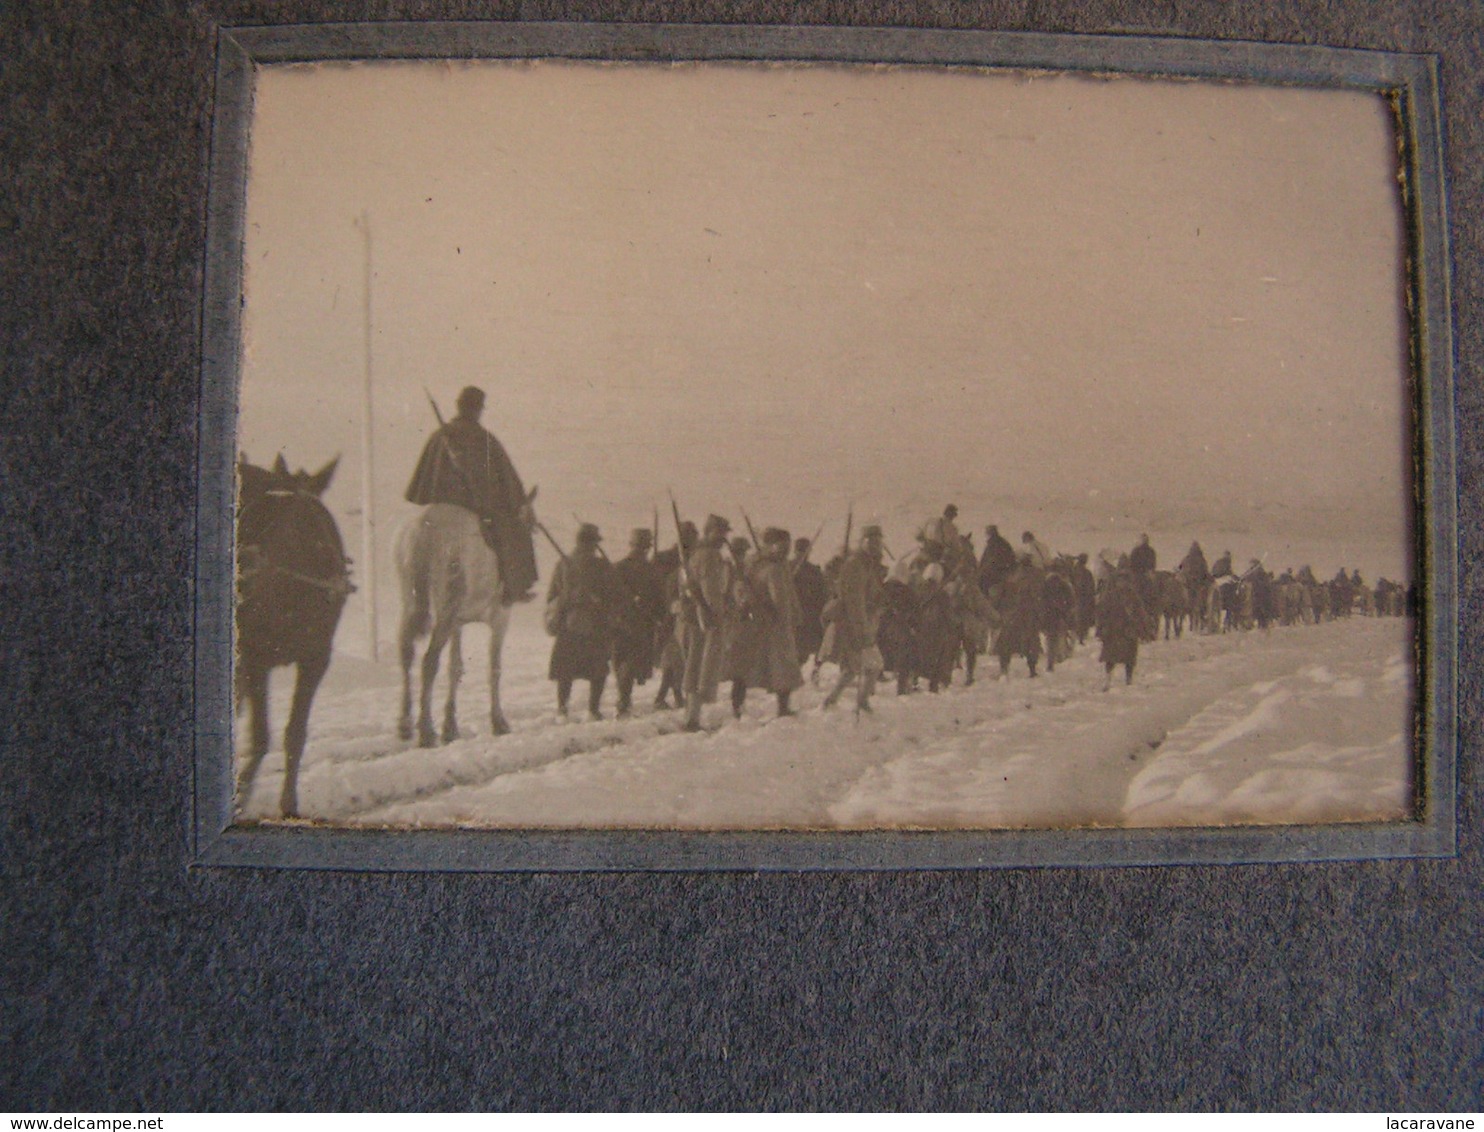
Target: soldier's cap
column 688, row 528
column 471, row 398
column 718, row 524
column 872, row 531
column 950, row 511
column 740, row 546
column 1026, row 536
column 991, row 529
column 774, row 535
column 588, row 533
column 802, row 544
column 641, row 537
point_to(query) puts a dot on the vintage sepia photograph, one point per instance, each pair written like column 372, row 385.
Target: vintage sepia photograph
column 730, row 446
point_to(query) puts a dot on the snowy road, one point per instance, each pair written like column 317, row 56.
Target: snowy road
column 1294, row 725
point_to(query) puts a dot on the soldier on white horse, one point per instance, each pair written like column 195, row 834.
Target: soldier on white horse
column 468, row 557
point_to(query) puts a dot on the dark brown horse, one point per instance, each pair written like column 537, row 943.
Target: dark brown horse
column 292, row 582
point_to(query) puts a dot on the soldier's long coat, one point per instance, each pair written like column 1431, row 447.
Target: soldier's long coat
column 464, row 464
column 937, row 636
column 1120, row 619
column 705, row 646
column 764, row 650
column 1020, row 615
column 813, row 593
column 858, row 611
column 580, row 611
column 1058, row 614
column 640, row 613
column 670, row 656
column 1087, row 599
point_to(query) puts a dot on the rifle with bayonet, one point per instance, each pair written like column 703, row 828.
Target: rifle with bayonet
column 755, row 601
column 751, row 531
column 687, row 583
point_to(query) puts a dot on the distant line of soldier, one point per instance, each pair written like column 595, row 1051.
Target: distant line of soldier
column 755, row 611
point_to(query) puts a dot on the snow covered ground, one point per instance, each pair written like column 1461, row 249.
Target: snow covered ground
column 1301, row 724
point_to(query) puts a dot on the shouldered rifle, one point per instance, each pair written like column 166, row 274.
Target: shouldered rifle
column 540, row 526
column 751, row 531
column 800, row 563
column 453, row 457
column 687, row 583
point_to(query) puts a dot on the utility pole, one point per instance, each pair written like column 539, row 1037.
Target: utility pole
column 368, row 505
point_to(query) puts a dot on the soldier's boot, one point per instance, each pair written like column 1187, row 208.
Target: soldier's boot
column 739, row 697
column 783, row 708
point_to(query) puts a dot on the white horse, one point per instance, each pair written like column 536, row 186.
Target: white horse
column 450, row 578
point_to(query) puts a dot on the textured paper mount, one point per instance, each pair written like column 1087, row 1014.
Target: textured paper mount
column 1409, row 81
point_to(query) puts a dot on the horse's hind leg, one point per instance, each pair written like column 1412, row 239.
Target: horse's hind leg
column 455, row 674
column 498, row 624
column 311, row 672
column 407, row 648
column 252, row 690
column 427, row 735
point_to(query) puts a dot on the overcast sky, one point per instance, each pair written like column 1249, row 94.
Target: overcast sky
column 1169, row 304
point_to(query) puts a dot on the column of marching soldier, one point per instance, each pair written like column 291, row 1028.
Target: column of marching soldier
column 753, row 610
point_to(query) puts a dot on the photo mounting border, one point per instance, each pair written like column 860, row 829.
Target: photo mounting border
column 1409, row 81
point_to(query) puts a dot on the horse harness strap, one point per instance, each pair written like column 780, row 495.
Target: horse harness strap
column 340, row 587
